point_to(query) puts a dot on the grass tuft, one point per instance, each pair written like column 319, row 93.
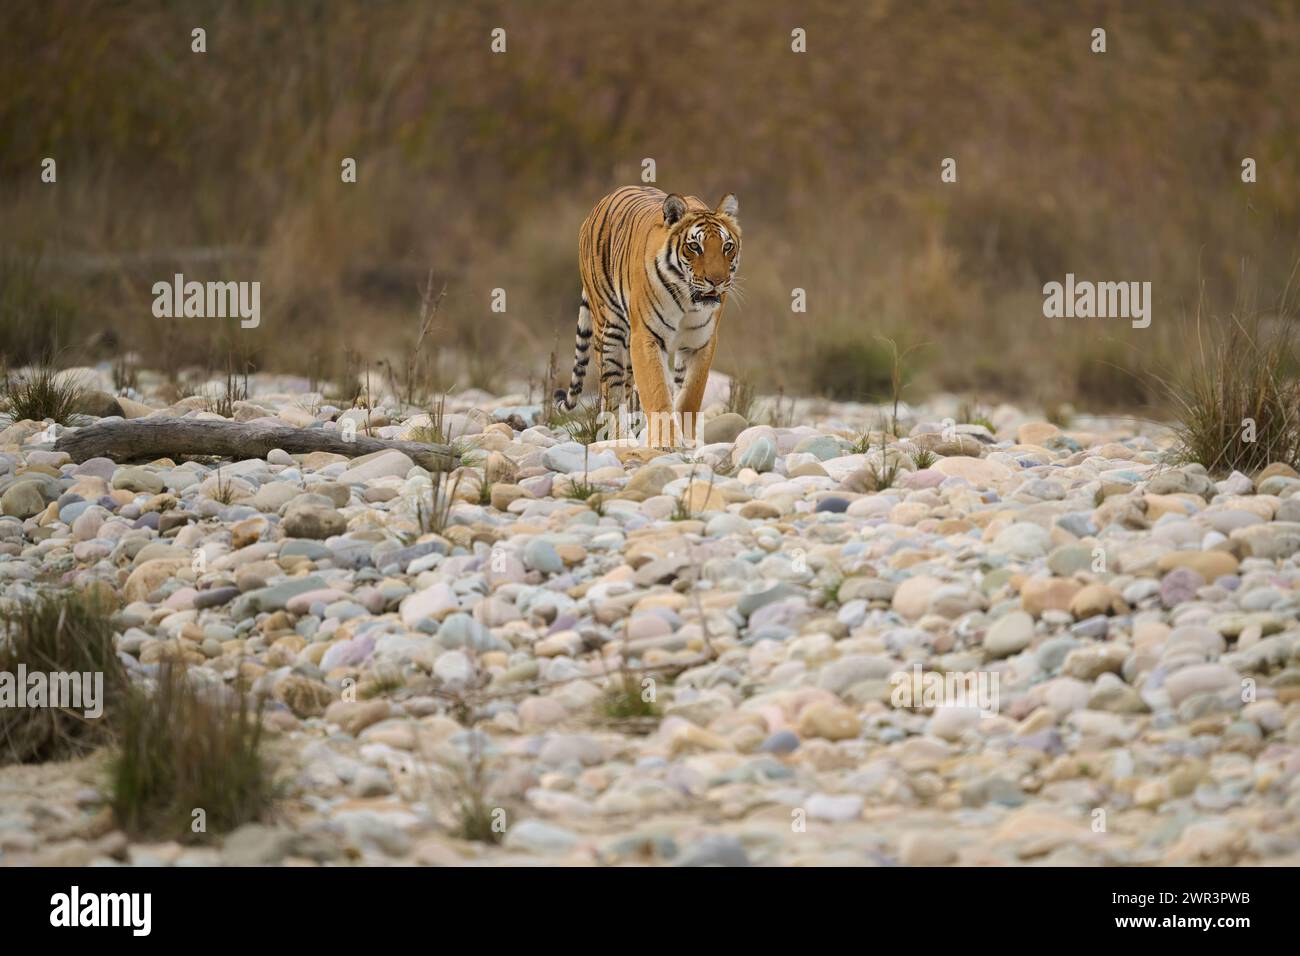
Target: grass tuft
column 65, row 633
column 585, row 422
column 221, row 401
column 1237, row 401
column 476, row 818
column 189, row 761
column 434, row 433
column 625, row 700
column 434, row 515
column 42, row 393
column 884, row 474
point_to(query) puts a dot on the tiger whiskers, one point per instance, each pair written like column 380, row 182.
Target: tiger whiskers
column 736, row 293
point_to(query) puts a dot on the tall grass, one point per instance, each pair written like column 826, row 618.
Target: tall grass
column 189, row 761
column 65, row 633
column 1237, row 399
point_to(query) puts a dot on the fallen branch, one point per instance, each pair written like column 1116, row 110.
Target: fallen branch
column 148, row 438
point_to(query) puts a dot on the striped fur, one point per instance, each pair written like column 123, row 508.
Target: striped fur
column 656, row 270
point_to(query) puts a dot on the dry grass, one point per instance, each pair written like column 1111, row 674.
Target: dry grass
column 476, row 818
column 742, row 396
column 41, row 393
column 183, row 749
column 434, row 433
column 487, row 178
column 221, row 400
column 67, row 633
column 585, row 422
column 625, row 699
column 434, row 515
column 1237, row 398
column 418, row 373
column 885, row 473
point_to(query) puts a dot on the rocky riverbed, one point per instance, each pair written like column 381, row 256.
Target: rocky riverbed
column 1132, row 623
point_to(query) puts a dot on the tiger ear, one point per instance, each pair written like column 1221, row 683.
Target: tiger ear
column 728, row 206
column 674, row 209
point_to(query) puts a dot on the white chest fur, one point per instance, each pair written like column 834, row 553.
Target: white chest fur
column 695, row 326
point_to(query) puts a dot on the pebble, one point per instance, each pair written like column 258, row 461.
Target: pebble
column 1010, row 634
column 1140, row 621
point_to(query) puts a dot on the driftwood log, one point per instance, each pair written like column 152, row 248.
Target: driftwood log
column 148, row 438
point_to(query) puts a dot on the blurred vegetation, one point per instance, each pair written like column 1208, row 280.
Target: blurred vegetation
column 186, row 748
column 226, row 165
column 69, row 632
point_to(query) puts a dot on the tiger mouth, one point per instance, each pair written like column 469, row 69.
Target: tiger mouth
column 710, row 298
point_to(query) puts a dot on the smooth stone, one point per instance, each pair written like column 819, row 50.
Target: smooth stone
column 572, row 457
column 314, row 522
column 723, row 429
column 22, row 500
column 760, row 456
column 781, row 742
column 536, row 836
column 978, row 471
column 138, row 479
column 540, row 555
column 1023, row 540
column 836, row 808
column 1010, row 634
column 384, row 464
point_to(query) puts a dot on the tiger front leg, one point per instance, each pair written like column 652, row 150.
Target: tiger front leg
column 690, row 397
column 648, row 368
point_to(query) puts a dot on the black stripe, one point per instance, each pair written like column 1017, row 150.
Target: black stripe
column 681, row 274
column 659, row 315
column 607, row 246
column 669, row 285
column 658, row 338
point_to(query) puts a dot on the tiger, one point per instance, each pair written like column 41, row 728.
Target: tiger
column 656, row 270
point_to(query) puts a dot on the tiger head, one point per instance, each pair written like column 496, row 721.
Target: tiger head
column 702, row 251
